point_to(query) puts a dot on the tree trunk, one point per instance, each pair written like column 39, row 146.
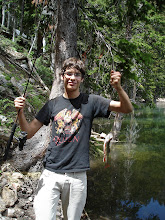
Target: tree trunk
column 66, row 39
column 14, row 27
column 8, row 17
column 22, row 16
column 3, row 14
column 44, row 45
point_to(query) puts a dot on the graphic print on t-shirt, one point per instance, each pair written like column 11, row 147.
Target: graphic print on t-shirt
column 67, row 122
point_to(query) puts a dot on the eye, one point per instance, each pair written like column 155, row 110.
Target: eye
column 77, row 74
column 68, row 73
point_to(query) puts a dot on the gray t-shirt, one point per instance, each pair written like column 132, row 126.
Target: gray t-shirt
column 68, row 150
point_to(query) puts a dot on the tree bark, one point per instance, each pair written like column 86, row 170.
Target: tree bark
column 8, row 16
column 65, row 39
column 3, row 14
column 22, row 16
column 39, row 41
column 14, row 27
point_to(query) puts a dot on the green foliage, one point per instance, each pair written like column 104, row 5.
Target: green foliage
column 35, row 98
column 8, row 77
column 128, row 33
column 95, row 150
column 134, row 31
column 6, row 43
column 37, row 102
column 43, row 69
column 7, row 111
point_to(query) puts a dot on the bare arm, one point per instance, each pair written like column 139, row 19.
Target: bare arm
column 124, row 104
column 32, row 127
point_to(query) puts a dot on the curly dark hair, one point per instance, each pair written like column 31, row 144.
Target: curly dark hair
column 74, row 63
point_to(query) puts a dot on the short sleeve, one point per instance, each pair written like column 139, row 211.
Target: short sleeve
column 101, row 106
column 44, row 115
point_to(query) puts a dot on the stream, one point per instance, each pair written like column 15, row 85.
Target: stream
column 133, row 186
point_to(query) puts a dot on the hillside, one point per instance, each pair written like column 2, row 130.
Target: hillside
column 15, row 68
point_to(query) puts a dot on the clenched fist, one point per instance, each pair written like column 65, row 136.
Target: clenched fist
column 19, row 103
column 115, row 80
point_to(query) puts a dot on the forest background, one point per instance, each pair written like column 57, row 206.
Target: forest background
column 125, row 35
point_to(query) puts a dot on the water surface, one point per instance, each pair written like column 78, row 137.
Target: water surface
column 133, row 187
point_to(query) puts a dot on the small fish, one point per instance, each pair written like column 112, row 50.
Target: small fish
column 106, row 148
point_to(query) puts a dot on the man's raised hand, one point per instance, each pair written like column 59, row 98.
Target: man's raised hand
column 115, row 79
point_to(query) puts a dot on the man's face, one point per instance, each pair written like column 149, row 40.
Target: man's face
column 72, row 79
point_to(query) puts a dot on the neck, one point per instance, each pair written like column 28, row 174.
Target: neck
column 71, row 95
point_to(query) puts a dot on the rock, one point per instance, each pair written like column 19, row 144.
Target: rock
column 3, row 118
column 2, row 63
column 3, row 81
column 17, row 175
column 4, row 91
column 24, row 66
column 9, row 196
column 10, row 212
column 5, row 167
column 16, row 186
column 3, row 182
column 15, row 212
column 4, row 218
column 30, row 199
column 2, row 206
column 17, row 85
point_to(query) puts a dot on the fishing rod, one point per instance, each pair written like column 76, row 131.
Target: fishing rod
column 23, row 137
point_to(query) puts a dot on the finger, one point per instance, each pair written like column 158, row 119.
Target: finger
column 19, row 102
column 115, row 73
column 115, row 79
column 19, row 98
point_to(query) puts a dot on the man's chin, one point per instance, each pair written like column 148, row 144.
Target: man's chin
column 71, row 89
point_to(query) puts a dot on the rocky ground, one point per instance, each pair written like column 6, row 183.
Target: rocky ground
column 17, row 192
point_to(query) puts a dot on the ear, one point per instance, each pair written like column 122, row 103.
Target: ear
column 82, row 80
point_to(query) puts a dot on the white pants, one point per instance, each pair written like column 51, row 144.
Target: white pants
column 71, row 187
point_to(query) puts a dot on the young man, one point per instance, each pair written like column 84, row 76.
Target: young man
column 67, row 157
